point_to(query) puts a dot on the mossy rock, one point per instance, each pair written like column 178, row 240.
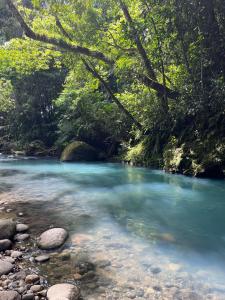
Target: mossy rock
column 195, row 159
column 79, row 151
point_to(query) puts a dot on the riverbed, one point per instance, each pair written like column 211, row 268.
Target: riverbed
column 142, row 233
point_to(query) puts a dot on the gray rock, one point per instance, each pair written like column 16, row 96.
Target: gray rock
column 16, row 254
column 22, row 227
column 7, row 229
column 21, row 237
column 63, row 291
column 52, row 238
column 36, row 288
column 9, row 295
column 42, row 258
column 5, row 267
column 5, row 244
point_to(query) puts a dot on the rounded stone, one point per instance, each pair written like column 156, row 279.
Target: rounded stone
column 21, row 237
column 16, row 254
column 7, row 229
column 31, row 279
column 52, row 238
column 5, row 267
column 22, row 227
column 63, row 291
column 9, row 295
column 36, row 288
column 5, row 244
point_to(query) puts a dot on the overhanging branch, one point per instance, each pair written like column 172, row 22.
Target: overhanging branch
column 56, row 42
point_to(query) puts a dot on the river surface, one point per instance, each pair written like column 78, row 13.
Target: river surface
column 142, row 233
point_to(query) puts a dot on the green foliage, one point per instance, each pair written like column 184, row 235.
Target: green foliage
column 7, row 102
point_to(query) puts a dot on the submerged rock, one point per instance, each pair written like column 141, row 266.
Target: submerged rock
column 52, row 238
column 5, row 267
column 9, row 295
column 63, row 291
column 79, row 151
column 7, row 229
column 5, row 244
column 42, row 258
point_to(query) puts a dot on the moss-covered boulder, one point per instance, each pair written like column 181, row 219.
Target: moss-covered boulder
column 79, row 151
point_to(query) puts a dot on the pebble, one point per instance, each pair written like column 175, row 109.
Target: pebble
column 77, row 276
column 7, row 229
column 52, row 238
column 5, row 244
column 42, row 258
column 5, row 267
column 32, row 279
column 36, row 288
column 16, row 254
column 21, row 237
column 21, row 227
column 63, row 291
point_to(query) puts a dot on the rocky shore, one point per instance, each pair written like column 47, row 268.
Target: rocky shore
column 19, row 280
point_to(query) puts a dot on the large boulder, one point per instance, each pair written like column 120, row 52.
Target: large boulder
column 9, row 295
column 63, row 291
column 5, row 267
column 79, row 151
column 7, row 229
column 52, row 238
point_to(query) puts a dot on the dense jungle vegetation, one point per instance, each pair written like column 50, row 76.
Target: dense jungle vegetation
column 140, row 80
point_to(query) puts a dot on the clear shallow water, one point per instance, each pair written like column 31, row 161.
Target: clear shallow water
column 137, row 218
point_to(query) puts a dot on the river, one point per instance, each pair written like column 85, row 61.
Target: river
column 145, row 234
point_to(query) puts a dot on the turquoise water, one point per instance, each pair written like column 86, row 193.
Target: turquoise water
column 181, row 219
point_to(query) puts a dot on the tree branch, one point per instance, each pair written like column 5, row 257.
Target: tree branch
column 141, row 50
column 95, row 73
column 59, row 43
column 160, row 88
